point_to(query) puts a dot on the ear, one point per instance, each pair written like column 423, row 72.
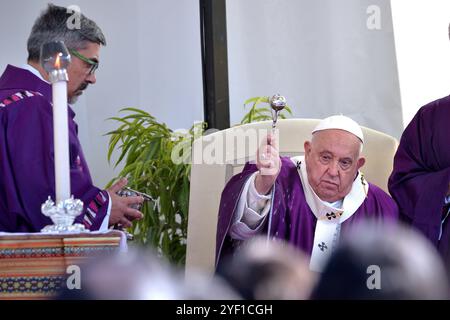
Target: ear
column 307, row 147
column 361, row 162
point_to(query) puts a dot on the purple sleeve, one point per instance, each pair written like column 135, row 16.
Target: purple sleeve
column 230, row 197
column 95, row 209
column 421, row 173
column 228, row 202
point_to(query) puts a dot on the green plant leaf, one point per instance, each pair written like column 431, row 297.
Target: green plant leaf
column 112, row 144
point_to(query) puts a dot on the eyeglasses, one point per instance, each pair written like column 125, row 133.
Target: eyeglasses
column 94, row 64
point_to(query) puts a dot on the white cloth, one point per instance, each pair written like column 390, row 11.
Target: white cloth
column 105, row 223
column 251, row 211
column 33, row 71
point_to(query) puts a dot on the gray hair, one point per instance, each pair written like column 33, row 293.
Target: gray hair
column 51, row 25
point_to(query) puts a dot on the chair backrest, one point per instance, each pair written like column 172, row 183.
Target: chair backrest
column 218, row 156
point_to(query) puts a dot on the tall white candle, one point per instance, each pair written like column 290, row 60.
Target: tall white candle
column 61, row 140
column 55, row 59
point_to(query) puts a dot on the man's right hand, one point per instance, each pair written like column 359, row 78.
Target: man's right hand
column 121, row 213
column 268, row 163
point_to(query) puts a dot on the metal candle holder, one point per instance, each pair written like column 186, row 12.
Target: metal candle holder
column 55, row 58
column 63, row 215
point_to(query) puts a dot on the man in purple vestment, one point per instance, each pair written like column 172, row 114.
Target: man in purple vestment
column 308, row 200
column 420, row 180
column 26, row 133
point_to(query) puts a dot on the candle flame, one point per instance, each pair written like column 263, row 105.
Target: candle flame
column 58, row 61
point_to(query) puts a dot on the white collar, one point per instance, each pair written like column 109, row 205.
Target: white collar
column 34, row 71
column 329, row 218
column 336, row 204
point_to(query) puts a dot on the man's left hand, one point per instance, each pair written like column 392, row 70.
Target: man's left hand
column 121, row 212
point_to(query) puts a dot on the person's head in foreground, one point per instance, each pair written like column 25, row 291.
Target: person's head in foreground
column 139, row 274
column 383, row 262
column 273, row 269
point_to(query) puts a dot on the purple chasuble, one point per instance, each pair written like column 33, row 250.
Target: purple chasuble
column 421, row 175
column 292, row 218
column 27, row 174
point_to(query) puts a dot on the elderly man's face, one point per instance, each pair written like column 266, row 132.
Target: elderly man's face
column 332, row 162
column 78, row 70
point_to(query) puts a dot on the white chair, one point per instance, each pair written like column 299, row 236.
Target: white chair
column 218, row 156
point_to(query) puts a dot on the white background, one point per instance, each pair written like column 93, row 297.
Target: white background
column 423, row 51
column 320, row 55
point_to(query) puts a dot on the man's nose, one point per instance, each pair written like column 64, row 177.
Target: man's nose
column 91, row 79
column 333, row 169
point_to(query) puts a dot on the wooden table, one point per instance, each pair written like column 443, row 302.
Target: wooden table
column 35, row 265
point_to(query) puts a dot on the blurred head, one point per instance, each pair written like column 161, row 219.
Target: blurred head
column 140, row 274
column 332, row 160
column 83, row 43
column 383, row 262
column 268, row 270
column 134, row 275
